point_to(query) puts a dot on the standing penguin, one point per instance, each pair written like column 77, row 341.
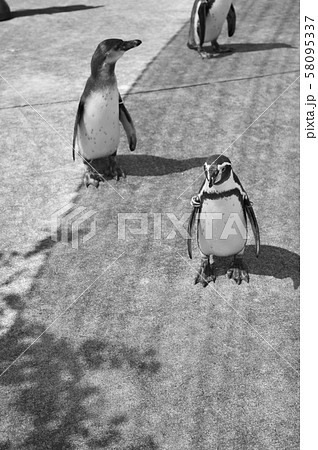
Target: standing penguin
column 100, row 108
column 222, row 206
column 206, row 24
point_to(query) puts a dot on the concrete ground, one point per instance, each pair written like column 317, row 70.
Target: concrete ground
column 136, row 356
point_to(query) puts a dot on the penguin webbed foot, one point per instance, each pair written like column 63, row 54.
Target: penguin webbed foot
column 115, row 172
column 238, row 271
column 217, row 48
column 91, row 178
column 205, row 273
column 112, row 170
column 119, row 173
column 204, row 54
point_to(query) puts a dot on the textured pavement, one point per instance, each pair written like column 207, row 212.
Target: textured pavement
column 138, row 357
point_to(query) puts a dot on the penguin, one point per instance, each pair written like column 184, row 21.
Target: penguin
column 96, row 128
column 5, row 12
column 221, row 209
column 207, row 18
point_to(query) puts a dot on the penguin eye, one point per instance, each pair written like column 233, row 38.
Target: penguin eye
column 222, row 167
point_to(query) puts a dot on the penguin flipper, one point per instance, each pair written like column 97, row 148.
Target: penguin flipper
column 128, row 124
column 78, row 120
column 202, row 19
column 190, row 229
column 191, row 40
column 231, row 21
column 252, row 218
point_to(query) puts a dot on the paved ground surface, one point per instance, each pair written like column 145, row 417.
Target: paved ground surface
column 142, row 358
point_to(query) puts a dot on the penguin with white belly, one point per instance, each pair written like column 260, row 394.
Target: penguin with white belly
column 100, row 109
column 207, row 19
column 221, row 209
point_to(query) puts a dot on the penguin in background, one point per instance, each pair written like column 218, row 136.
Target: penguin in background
column 221, row 209
column 100, row 109
column 5, row 12
column 207, row 19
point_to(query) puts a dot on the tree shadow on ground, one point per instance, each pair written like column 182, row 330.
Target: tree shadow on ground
column 273, row 261
column 51, row 10
column 97, row 352
column 46, row 374
column 149, row 165
column 47, row 379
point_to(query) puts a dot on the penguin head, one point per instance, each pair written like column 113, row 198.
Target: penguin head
column 219, row 171
column 109, row 51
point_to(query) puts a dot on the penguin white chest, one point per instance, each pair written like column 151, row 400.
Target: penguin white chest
column 222, row 229
column 98, row 133
column 215, row 19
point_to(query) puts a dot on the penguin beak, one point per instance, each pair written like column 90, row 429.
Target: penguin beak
column 127, row 45
column 211, row 181
column 210, row 174
column 214, row 176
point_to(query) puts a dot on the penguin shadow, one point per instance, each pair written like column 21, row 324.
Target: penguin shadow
column 51, row 10
column 249, row 47
column 272, row 262
column 149, row 165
